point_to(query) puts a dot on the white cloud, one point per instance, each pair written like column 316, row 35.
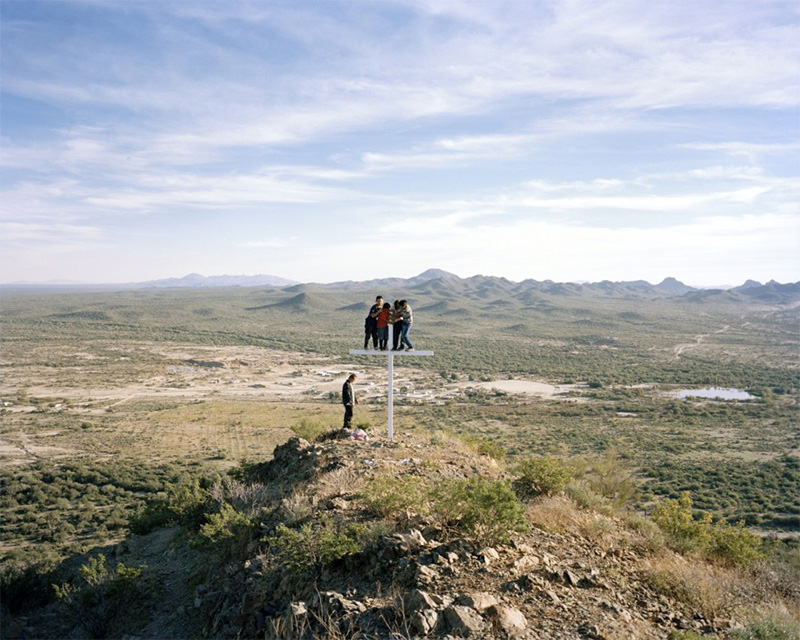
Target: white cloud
column 426, row 119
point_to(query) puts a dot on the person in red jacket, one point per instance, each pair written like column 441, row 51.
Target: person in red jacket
column 383, row 326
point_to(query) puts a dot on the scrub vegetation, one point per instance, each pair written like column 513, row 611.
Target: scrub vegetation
column 122, row 412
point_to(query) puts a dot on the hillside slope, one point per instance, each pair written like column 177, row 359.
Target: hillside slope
column 417, row 538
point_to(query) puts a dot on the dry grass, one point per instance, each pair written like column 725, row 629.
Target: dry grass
column 296, row 508
column 339, row 482
column 712, row 591
column 559, row 514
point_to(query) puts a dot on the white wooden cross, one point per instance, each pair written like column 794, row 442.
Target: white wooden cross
column 391, row 354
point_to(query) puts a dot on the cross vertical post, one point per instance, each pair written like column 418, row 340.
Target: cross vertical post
column 390, row 373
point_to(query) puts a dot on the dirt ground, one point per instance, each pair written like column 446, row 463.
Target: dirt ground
column 177, row 400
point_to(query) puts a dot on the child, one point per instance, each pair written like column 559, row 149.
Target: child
column 383, row 326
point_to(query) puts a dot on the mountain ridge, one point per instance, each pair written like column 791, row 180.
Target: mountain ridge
column 478, row 287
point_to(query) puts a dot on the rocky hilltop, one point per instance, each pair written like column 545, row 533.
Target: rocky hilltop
column 425, row 537
column 572, row 574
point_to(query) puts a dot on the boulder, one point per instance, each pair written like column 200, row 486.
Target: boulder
column 478, row 601
column 423, row 622
column 528, row 561
column 463, row 621
column 488, row 555
column 509, row 620
column 409, row 541
column 416, row 600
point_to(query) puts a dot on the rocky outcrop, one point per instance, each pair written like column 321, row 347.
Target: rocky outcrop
column 418, row 579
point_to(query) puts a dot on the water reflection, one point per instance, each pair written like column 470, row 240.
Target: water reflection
column 716, row 393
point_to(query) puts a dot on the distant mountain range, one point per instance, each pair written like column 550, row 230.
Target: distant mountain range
column 194, row 280
column 448, row 286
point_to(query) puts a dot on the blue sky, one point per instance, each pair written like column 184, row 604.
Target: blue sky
column 324, row 141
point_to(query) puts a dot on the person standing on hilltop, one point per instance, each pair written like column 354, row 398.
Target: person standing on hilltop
column 348, row 400
column 396, row 319
column 405, row 312
column 371, row 323
column 383, row 326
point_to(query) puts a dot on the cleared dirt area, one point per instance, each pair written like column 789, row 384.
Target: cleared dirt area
column 167, row 401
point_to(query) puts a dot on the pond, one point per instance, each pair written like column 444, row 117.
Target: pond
column 717, row 393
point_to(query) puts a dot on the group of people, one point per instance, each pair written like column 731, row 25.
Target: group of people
column 376, row 329
column 381, row 315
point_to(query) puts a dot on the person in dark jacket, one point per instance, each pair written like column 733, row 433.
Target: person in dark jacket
column 371, row 323
column 397, row 324
column 348, row 400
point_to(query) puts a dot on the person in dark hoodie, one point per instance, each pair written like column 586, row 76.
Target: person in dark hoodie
column 348, row 400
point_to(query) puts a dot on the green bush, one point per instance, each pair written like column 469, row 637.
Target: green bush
column 545, row 475
column 485, row 447
column 183, row 504
column 611, row 479
column 314, row 547
column 722, row 542
column 107, row 600
column 26, row 582
column 676, row 519
column 769, row 628
column 387, row 496
column 736, row 545
column 487, row 510
column 309, row 429
column 226, row 532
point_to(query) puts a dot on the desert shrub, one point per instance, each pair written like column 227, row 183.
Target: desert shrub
column 249, row 497
column 106, row 598
column 545, row 475
column 183, row 504
column 736, row 545
column 488, row 510
column 676, row 519
column 387, row 496
column 780, row 572
column 314, row 547
column 296, row 508
column 485, row 447
column 610, row 478
column 713, row 592
column 226, row 531
column 768, row 628
column 583, row 494
column 722, row 542
column 309, row 429
column 26, row 584
column 649, row 537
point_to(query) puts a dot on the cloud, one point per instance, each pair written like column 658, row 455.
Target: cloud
column 424, row 120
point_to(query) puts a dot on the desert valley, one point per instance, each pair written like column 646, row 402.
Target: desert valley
column 636, row 448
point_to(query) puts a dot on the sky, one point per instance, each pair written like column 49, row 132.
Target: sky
column 570, row 140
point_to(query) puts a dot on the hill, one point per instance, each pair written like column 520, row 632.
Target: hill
column 440, row 283
column 347, row 539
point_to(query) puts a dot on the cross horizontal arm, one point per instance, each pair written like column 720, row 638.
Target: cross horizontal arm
column 373, row 352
